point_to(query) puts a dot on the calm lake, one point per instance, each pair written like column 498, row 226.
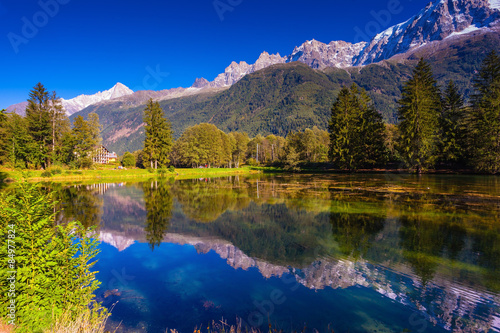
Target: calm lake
column 348, row 253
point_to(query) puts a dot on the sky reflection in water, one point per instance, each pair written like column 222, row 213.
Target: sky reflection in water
column 359, row 253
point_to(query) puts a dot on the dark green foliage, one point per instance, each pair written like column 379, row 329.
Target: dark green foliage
column 20, row 144
column 38, row 114
column 159, row 201
column 484, row 117
column 357, row 133
column 82, row 142
column 451, row 123
column 275, row 100
column 355, row 233
column 312, row 145
column 52, row 263
column 128, row 160
column 292, row 160
column 202, row 145
column 158, row 141
column 4, row 144
column 419, row 113
column 60, row 126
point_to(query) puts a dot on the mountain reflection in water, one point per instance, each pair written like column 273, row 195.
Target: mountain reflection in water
column 429, row 247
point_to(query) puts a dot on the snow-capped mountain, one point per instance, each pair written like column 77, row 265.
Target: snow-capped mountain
column 437, row 21
column 235, row 72
column 319, row 55
column 81, row 102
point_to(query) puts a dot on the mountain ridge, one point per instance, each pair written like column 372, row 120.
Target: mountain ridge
column 80, row 102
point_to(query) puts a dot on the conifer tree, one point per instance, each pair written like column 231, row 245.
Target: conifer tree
column 483, row 120
column 158, row 141
column 59, row 124
column 39, row 124
column 83, row 142
column 451, row 142
column 4, row 145
column 357, row 133
column 418, row 114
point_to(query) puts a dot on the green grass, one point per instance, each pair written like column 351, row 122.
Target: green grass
column 109, row 173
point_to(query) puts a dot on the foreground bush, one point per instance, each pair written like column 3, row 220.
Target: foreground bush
column 50, row 265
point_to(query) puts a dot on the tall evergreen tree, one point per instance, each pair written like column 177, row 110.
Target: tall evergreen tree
column 83, row 142
column 357, row 133
column 21, row 146
column 418, row 113
column 483, row 120
column 59, row 124
column 158, row 142
column 95, row 128
column 39, row 124
column 451, row 123
column 4, row 144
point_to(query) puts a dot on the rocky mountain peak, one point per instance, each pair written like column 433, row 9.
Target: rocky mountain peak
column 437, row 21
column 319, row 55
column 200, row 83
column 81, row 102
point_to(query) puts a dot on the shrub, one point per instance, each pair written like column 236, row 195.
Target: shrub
column 52, row 264
column 46, row 173
column 128, row 160
column 171, row 169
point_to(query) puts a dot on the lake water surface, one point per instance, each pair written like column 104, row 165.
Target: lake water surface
column 348, row 253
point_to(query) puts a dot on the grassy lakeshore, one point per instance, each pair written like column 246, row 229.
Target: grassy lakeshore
column 109, row 173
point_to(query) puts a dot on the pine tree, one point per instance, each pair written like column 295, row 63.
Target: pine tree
column 344, row 113
column 59, row 124
column 4, row 137
column 483, row 120
column 357, row 133
column 418, row 114
column 452, row 137
column 39, row 124
column 20, row 144
column 83, row 142
column 158, row 142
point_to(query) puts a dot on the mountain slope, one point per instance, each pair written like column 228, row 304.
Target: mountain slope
column 437, row 21
column 293, row 96
column 80, row 102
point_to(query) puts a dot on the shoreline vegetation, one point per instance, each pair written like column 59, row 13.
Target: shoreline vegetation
column 107, row 173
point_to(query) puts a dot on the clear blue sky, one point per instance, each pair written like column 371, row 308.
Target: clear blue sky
column 85, row 46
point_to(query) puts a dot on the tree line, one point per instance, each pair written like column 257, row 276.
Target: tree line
column 436, row 129
column 44, row 137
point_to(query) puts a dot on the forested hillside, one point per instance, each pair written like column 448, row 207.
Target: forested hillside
column 286, row 97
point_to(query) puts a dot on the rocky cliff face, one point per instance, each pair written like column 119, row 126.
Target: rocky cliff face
column 318, row 55
column 236, row 71
column 437, row 21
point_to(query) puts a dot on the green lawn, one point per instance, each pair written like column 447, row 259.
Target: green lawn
column 110, row 173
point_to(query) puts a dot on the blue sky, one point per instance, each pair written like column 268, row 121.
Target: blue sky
column 84, row 46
